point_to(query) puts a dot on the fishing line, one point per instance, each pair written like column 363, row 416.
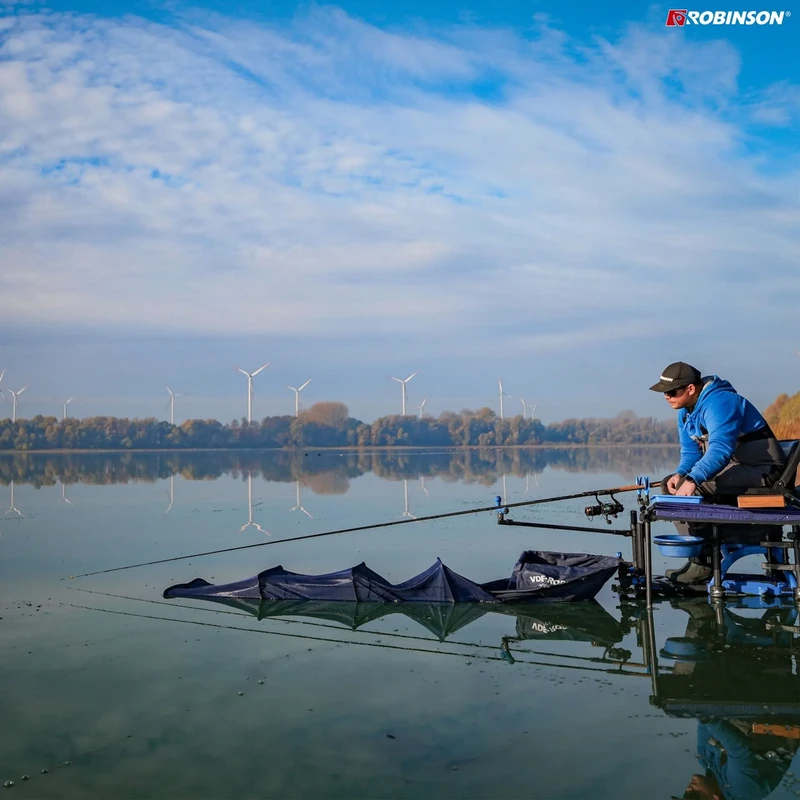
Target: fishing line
column 373, row 526
column 360, row 644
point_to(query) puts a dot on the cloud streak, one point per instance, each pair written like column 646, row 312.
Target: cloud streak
column 327, row 176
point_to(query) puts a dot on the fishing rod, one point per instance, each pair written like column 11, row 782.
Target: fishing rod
column 499, row 506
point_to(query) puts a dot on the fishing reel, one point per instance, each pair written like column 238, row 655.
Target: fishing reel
column 606, row 510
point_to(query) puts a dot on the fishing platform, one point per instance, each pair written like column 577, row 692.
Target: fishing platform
column 763, row 522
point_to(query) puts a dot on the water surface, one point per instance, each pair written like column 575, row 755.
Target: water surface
column 152, row 698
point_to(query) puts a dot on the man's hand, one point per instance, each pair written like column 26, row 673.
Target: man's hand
column 687, row 488
column 671, row 485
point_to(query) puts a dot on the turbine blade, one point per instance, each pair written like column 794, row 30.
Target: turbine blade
column 22, row 389
column 263, row 366
column 304, row 385
column 243, row 372
column 399, row 380
column 292, row 388
column 411, row 376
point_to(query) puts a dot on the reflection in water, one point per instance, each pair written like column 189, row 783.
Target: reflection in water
column 406, row 512
column 250, row 522
column 735, row 669
column 170, row 494
column 298, row 506
column 584, row 622
column 12, row 509
column 737, row 673
column 330, row 472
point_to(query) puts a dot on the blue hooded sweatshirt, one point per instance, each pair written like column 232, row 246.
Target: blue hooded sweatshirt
column 725, row 416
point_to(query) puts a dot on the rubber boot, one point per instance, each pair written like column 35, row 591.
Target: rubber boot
column 695, row 570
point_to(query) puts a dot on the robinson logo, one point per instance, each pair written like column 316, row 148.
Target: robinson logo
column 678, row 17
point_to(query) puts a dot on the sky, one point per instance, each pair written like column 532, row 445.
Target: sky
column 561, row 196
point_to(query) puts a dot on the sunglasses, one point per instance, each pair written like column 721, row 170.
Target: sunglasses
column 675, row 392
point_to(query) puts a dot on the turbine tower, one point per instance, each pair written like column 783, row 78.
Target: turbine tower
column 528, row 408
column 297, row 396
column 502, row 395
column 171, row 404
column 66, row 403
column 250, row 376
column 15, row 395
column 3, row 372
column 421, row 406
column 403, row 384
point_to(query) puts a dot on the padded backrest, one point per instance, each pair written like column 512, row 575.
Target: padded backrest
column 789, row 478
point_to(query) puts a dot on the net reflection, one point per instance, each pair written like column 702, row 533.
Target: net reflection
column 582, row 622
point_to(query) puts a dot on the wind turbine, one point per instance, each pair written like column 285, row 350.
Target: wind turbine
column 1, row 380
column 501, row 396
column 420, row 407
column 528, row 408
column 299, row 506
column 297, row 396
column 66, row 403
column 250, row 522
column 15, row 395
column 406, row 513
column 403, row 383
column 171, row 404
column 250, row 376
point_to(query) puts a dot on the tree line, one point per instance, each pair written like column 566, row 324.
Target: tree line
column 329, row 424
column 784, row 416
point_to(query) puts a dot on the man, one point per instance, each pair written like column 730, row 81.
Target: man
column 727, row 447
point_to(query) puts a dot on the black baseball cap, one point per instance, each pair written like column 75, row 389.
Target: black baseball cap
column 676, row 376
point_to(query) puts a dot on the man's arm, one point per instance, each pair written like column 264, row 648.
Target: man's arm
column 723, row 421
column 690, row 450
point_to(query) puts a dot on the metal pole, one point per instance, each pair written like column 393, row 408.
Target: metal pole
column 653, row 660
column 636, row 549
column 717, row 592
column 648, row 563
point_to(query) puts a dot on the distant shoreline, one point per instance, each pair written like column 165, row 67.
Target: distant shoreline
column 344, row 449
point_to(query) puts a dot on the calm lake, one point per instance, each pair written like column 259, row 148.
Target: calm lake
column 111, row 691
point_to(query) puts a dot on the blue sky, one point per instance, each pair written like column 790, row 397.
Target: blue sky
column 563, row 197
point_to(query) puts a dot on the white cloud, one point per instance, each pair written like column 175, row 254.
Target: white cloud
column 330, row 175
